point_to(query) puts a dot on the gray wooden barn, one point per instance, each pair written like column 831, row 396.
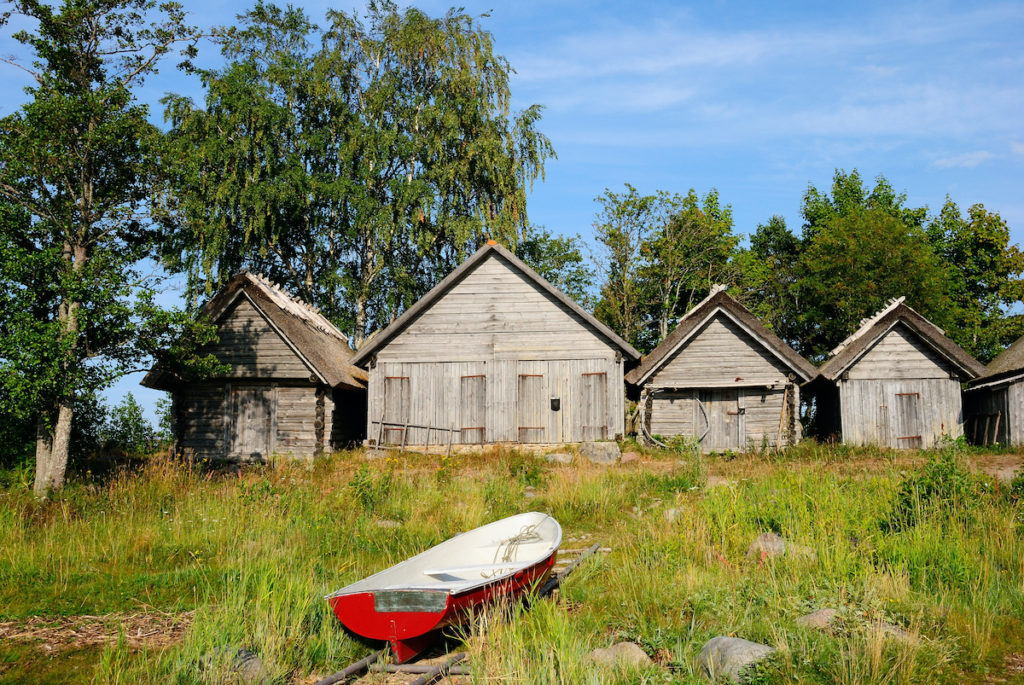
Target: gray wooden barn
column 291, row 389
column 723, row 379
column 494, row 353
column 896, row 381
column 994, row 403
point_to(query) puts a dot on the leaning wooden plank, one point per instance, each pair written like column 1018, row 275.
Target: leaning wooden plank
column 440, row 670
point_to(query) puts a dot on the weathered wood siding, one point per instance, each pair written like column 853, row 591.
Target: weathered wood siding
column 900, row 394
column 713, row 370
column 900, row 413
column 899, row 354
column 251, row 346
column 462, row 364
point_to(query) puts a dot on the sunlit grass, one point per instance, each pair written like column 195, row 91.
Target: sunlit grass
column 254, row 553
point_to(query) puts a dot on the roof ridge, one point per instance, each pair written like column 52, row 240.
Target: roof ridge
column 867, row 322
column 290, row 304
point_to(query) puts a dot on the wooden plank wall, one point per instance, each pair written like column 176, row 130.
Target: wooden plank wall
column 1014, row 416
column 491, row 323
column 199, row 412
column 252, row 347
column 716, row 356
column 869, row 410
column 899, row 354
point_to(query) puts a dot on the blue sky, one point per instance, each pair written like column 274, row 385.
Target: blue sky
column 754, row 99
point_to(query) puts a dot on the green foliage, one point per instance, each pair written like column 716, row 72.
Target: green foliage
column 128, row 430
column 525, row 468
column 356, row 164
column 942, row 486
column 559, row 260
column 372, row 488
column 659, row 255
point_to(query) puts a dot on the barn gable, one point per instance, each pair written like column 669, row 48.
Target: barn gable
column 493, row 306
column 252, row 347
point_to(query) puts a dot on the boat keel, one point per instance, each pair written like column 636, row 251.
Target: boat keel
column 403, row 650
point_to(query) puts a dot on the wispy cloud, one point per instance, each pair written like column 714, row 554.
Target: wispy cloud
column 967, row 160
column 1017, row 148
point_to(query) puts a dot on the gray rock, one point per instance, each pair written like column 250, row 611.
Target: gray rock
column 894, row 632
column 377, row 454
column 729, row 657
column 600, row 452
column 239, row 665
column 821, row 619
column 387, row 523
column 629, row 458
column 530, row 492
column 672, row 514
column 559, row 458
column 626, row 653
column 770, row 545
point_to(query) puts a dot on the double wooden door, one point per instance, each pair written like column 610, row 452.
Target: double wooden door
column 564, row 400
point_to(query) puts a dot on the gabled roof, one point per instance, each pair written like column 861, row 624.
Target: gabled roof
column 318, row 342
column 378, row 340
column 719, row 301
column 874, row 327
column 1006, row 367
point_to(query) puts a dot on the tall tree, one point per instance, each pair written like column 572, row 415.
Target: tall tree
column 76, row 171
column 560, row 260
column 767, row 274
column 986, row 277
column 356, row 165
column 686, row 254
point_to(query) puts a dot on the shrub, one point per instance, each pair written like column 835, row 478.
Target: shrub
column 943, row 484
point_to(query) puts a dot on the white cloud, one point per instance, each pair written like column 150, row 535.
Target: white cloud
column 1017, row 148
column 967, row 160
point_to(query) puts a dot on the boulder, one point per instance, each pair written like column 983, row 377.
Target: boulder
column 625, row 653
column 559, row 458
column 377, row 454
column 629, row 458
column 729, row 657
column 820, row 619
column 242, row 666
column 603, row 453
column 894, row 632
column 770, row 545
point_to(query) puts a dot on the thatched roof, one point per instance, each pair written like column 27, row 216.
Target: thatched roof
column 1005, row 368
column 720, row 301
column 874, row 327
column 380, row 339
column 317, row 341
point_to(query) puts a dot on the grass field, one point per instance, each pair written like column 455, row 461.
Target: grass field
column 181, row 565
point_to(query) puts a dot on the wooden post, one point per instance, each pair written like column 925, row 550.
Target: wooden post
column 405, row 434
column 426, row 443
column 987, row 418
column 782, row 417
column 995, row 432
column 380, row 433
column 451, row 432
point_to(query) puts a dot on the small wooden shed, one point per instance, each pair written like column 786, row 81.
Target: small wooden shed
column 291, row 389
column 723, row 379
column 495, row 353
column 896, row 381
column 994, row 403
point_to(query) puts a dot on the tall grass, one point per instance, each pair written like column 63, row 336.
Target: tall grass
column 254, row 554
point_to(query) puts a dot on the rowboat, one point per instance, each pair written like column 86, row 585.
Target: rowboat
column 407, row 603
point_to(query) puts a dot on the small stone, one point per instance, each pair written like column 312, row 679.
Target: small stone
column 625, row 653
column 895, row 632
column 387, row 523
column 770, row 546
column 821, row 619
column 559, row 458
column 377, row 454
column 242, row 665
column 672, row 514
column 530, row 492
column 629, row 458
column 600, row 452
column 730, row 657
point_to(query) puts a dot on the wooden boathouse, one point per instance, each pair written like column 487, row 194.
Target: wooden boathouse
column 994, row 403
column 723, row 379
column 495, row 353
column 291, row 389
column 896, row 381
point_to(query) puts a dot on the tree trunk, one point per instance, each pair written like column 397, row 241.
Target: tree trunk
column 44, row 457
column 359, row 334
column 61, row 444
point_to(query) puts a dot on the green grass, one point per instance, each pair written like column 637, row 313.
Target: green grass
column 253, row 554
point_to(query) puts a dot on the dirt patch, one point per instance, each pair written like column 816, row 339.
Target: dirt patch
column 1003, row 466
column 64, row 632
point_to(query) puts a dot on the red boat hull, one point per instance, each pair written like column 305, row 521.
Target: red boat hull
column 411, row 631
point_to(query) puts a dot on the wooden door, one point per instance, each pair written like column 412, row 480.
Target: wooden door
column 907, row 419
column 533, row 403
column 724, row 420
column 592, row 401
column 473, row 409
column 250, row 422
column 397, row 402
